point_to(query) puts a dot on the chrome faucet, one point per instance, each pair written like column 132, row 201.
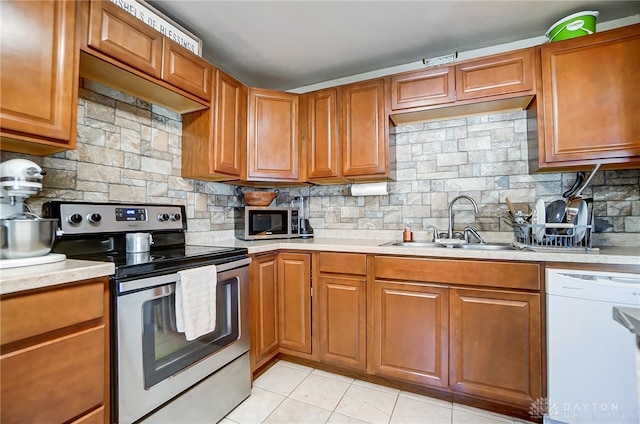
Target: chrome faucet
column 435, row 232
column 473, row 202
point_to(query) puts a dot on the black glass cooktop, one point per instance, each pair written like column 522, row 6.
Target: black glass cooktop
column 164, row 260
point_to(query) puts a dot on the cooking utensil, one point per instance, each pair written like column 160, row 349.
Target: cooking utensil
column 511, row 208
column 138, row 242
column 579, row 180
column 26, row 235
column 556, row 211
column 573, row 204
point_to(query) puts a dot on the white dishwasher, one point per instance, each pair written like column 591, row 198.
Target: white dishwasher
column 592, row 359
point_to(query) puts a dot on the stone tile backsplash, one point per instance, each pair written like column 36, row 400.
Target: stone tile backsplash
column 130, row 151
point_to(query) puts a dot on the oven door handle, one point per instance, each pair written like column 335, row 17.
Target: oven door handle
column 145, row 283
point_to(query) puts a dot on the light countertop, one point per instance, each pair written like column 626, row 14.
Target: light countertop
column 38, row 276
column 603, row 255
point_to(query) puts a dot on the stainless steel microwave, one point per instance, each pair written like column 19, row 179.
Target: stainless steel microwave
column 265, row 222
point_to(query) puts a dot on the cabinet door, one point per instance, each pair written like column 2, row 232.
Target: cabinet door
column 496, row 345
column 230, row 125
column 422, row 88
column 499, row 74
column 364, row 130
column 590, row 100
column 214, row 140
column 272, row 145
column 342, row 316
column 263, row 295
column 410, row 332
column 294, row 288
column 120, row 35
column 39, row 76
column 322, row 135
column 185, row 70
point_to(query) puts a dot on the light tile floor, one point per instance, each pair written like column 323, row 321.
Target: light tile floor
column 289, row 393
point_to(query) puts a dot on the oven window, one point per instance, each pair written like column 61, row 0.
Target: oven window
column 166, row 351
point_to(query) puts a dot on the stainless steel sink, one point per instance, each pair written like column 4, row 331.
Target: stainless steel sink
column 484, row 246
column 414, row 244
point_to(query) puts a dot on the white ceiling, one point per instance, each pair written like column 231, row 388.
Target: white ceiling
column 289, row 44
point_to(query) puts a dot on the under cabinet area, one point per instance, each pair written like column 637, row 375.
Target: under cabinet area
column 586, row 112
column 54, row 360
column 496, row 346
column 342, row 312
column 410, row 332
column 263, row 298
column 477, row 326
column 294, row 293
column 39, row 76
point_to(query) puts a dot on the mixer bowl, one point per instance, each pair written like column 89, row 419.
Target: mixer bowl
column 25, row 235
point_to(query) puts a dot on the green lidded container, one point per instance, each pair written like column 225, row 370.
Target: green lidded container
column 572, row 26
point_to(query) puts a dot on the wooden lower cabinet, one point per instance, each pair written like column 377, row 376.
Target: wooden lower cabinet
column 342, row 310
column 294, row 293
column 54, row 361
column 495, row 339
column 410, row 332
column 263, row 298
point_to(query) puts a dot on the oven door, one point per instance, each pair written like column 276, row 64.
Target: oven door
column 155, row 363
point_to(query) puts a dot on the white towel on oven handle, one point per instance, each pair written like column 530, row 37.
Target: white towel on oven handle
column 196, row 301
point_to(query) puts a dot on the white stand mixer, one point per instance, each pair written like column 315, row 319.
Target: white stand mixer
column 20, row 179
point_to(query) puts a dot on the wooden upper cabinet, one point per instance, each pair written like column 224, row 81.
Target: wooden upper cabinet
column 499, row 74
column 422, row 88
column 589, row 105
column 319, row 111
column 185, row 70
column 122, row 36
column 39, row 76
column 497, row 82
column 364, row 129
column 214, row 140
column 272, row 136
column 122, row 52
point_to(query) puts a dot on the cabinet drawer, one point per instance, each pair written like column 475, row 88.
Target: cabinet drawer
column 343, row 263
column 54, row 381
column 27, row 315
column 185, row 70
column 514, row 275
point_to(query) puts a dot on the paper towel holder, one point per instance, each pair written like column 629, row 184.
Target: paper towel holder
column 369, row 189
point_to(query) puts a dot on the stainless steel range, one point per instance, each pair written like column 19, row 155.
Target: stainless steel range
column 158, row 373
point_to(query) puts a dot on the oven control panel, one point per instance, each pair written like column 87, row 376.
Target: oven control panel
column 87, row 218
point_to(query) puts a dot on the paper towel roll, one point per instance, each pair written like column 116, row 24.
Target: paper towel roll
column 369, row 189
